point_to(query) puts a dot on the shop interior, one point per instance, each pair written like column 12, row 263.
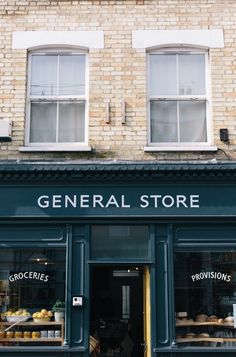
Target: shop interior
column 205, row 298
column 117, row 310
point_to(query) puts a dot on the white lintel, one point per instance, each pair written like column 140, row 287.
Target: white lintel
column 33, row 39
column 197, row 38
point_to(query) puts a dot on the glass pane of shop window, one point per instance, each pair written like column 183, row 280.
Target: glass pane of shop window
column 120, row 241
column 204, row 298
column 32, row 284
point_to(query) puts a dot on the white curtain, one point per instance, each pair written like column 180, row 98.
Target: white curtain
column 43, row 75
column 72, row 75
column 71, row 125
column 192, row 121
column 164, row 121
column 163, row 74
column 43, row 122
column 191, row 74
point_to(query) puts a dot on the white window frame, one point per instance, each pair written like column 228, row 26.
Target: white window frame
column 182, row 146
column 64, row 146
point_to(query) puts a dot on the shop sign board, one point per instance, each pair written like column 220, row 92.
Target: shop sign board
column 90, row 201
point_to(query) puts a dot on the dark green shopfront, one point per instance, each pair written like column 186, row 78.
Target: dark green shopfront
column 142, row 255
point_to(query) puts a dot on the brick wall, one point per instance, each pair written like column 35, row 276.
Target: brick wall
column 117, row 72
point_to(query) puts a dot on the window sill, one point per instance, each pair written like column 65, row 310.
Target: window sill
column 64, row 148
column 180, row 148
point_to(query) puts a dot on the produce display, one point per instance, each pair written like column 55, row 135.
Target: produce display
column 16, row 315
column 42, row 315
column 22, row 315
column 21, row 326
column 20, row 312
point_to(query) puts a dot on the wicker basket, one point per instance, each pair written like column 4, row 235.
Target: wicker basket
column 93, row 343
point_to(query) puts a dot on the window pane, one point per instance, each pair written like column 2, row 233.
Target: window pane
column 204, row 298
column 120, row 242
column 43, row 122
column 72, row 75
column 71, row 122
column 43, row 75
column 163, row 77
column 191, row 74
column 192, row 121
column 31, row 280
column 164, row 121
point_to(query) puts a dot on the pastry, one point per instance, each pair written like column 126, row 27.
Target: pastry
column 229, row 319
column 201, row 318
column 190, row 335
column 203, row 335
column 212, row 318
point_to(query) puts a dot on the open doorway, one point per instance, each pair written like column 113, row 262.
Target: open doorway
column 117, row 310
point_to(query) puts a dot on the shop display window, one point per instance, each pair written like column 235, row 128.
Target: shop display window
column 205, row 298
column 32, row 291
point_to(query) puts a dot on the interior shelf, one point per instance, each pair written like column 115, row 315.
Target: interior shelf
column 221, row 324
column 30, row 340
column 205, row 339
column 29, row 325
column 32, row 323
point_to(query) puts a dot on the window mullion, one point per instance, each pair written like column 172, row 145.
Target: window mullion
column 58, row 73
column 177, row 102
column 57, row 119
column 178, row 119
column 57, row 122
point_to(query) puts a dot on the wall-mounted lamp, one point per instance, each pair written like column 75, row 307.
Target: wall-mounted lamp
column 224, row 135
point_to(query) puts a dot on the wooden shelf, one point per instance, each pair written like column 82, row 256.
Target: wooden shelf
column 32, row 323
column 221, row 324
column 29, row 340
column 206, row 339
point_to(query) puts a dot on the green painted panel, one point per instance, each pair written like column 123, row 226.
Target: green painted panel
column 163, row 310
column 160, row 200
column 203, row 233
column 32, row 233
column 79, row 280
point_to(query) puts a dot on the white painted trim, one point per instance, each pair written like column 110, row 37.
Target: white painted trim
column 196, row 38
column 52, row 148
column 34, row 39
column 180, row 148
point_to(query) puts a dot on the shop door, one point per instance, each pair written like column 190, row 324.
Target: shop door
column 117, row 310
